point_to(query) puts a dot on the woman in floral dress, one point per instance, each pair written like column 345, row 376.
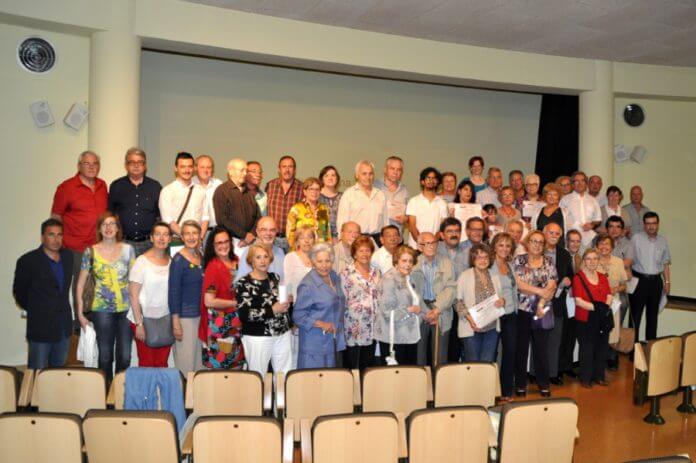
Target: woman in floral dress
column 220, row 327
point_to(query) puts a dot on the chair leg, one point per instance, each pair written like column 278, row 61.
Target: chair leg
column 687, row 405
column 654, row 416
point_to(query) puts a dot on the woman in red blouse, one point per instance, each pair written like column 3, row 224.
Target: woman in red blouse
column 220, row 327
column 594, row 339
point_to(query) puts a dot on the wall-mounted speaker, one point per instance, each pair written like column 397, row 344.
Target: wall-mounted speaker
column 638, row 154
column 41, row 113
column 76, row 117
column 622, row 153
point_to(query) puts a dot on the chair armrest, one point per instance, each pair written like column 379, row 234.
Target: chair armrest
column 33, row 397
column 188, row 398
column 357, row 393
column 429, row 378
column 111, row 394
column 25, row 389
column 639, row 360
column 306, row 440
column 288, row 440
column 268, row 392
column 403, row 442
column 498, row 390
column 280, row 393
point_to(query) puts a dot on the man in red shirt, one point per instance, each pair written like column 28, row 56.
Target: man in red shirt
column 78, row 203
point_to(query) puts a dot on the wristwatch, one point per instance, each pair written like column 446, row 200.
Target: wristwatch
column 140, row 323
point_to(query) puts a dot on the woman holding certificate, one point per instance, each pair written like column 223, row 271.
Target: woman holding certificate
column 536, row 279
column 479, row 305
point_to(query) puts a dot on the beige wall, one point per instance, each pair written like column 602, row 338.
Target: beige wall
column 229, row 109
column 35, row 160
column 666, row 175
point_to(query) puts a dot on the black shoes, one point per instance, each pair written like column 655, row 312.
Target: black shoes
column 556, row 381
column 521, row 393
column 571, row 374
column 545, row 393
column 613, row 364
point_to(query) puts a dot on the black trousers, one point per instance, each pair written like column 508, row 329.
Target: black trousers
column 539, row 339
column 593, row 352
column 406, row 354
column 646, row 295
column 454, row 349
column 568, row 338
column 359, row 357
column 508, row 343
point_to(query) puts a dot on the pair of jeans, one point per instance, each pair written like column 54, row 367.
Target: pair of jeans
column 481, row 347
column 48, row 354
column 113, row 337
column 508, row 339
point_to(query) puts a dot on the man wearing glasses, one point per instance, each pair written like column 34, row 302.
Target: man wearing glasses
column 78, row 203
column 433, row 278
column 427, row 210
column 134, row 198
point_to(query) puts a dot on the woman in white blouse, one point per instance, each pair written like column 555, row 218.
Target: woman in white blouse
column 296, row 265
column 613, row 207
column 148, row 290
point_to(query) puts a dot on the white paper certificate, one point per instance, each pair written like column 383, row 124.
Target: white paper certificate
column 395, row 209
column 463, row 212
column 530, row 209
column 484, row 313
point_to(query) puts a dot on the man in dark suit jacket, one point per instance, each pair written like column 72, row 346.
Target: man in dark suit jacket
column 42, row 287
column 564, row 268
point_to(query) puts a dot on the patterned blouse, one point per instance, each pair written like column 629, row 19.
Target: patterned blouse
column 362, row 296
column 255, row 299
column 332, row 204
column 302, row 214
column 110, row 279
column 483, row 289
column 533, row 276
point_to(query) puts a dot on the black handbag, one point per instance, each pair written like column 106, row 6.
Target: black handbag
column 601, row 318
column 158, row 331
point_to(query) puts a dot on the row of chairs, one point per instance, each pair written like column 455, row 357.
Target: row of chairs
column 541, row 431
column 662, row 366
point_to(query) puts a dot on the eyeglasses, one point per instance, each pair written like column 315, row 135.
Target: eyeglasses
column 537, row 242
column 136, row 163
column 90, row 164
column 482, row 256
column 109, row 224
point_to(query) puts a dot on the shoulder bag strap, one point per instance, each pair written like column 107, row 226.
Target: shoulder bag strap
column 188, row 198
column 587, row 290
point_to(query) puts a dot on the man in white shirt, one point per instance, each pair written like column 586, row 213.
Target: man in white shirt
column 205, row 169
column 427, row 210
column 266, row 231
column 364, row 204
column 594, row 187
column 395, row 191
column 489, row 195
column 382, row 259
column 173, row 205
column 583, row 208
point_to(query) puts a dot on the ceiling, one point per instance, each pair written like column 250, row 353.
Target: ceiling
column 639, row 31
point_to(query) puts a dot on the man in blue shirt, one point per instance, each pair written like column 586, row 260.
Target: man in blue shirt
column 41, row 287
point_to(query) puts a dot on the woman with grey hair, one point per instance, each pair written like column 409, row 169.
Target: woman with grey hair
column 318, row 312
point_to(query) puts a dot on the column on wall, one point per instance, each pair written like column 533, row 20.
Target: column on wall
column 114, row 90
column 596, row 128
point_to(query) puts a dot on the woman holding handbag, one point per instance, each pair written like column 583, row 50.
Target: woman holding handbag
column 107, row 264
column 594, row 319
column 220, row 329
column 149, row 314
column 536, row 279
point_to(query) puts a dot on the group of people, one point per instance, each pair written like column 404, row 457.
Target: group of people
column 301, row 275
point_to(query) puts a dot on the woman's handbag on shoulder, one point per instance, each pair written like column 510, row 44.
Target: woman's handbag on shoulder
column 602, row 317
column 90, row 283
column 158, row 331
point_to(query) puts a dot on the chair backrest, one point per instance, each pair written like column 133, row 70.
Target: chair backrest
column 664, row 362
column 237, row 439
column 394, row 389
column 458, row 384
column 669, row 459
column 9, row 389
column 315, row 392
column 538, row 431
column 224, row 392
column 115, row 436
column 688, row 372
column 69, row 390
column 449, row 435
column 364, row 438
column 33, row 437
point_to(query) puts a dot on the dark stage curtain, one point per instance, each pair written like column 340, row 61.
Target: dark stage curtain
column 557, row 145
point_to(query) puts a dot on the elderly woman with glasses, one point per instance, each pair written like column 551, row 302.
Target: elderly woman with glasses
column 536, row 279
column 309, row 212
